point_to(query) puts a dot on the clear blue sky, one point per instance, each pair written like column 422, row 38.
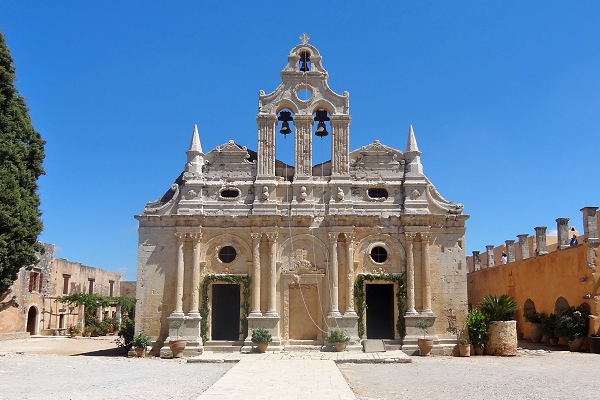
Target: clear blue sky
column 504, row 97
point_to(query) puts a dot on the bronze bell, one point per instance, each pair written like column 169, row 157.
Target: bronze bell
column 285, row 117
column 321, row 130
column 285, row 128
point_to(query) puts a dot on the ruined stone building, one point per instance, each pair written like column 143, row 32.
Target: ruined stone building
column 363, row 242
column 29, row 307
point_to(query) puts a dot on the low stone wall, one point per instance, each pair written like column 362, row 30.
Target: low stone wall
column 14, row 335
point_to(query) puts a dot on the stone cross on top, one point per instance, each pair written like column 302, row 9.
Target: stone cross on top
column 304, row 38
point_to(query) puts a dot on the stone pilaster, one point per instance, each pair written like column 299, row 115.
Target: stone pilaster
column 426, row 274
column 267, row 125
column 350, row 275
column 524, row 246
column 255, row 311
column 333, row 274
column 562, row 227
column 340, row 128
column 489, row 250
column 476, row 261
column 303, row 146
column 179, row 275
column 510, row 250
column 272, row 305
column 410, row 274
column 195, row 309
column 590, row 224
column 540, row 239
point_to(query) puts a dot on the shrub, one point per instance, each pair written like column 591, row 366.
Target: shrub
column 574, row 323
column 477, row 324
column 337, row 336
column 126, row 331
column 498, row 308
column 549, row 325
column 533, row 317
column 141, row 340
column 261, row 335
column 423, row 324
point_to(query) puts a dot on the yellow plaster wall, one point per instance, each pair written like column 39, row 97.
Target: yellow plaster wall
column 543, row 279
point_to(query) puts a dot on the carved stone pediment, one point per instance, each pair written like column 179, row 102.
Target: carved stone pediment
column 297, row 263
column 376, row 156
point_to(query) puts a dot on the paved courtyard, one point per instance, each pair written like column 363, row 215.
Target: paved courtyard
column 62, row 368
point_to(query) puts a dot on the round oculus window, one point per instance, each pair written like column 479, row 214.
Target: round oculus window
column 227, row 254
column 379, row 254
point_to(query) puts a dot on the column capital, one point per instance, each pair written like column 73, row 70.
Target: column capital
column 333, row 236
column 196, row 236
column 256, row 236
column 180, row 236
column 410, row 236
column 425, row 236
column 272, row 236
column 349, row 236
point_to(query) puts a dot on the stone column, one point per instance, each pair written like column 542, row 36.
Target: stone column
column 489, row 249
column 272, row 306
column 540, row 239
column 303, row 146
column 510, row 250
column 255, row 312
column 590, row 224
column 562, row 227
column 333, row 274
column 195, row 309
column 118, row 314
column 350, row 272
column 426, row 274
column 524, row 245
column 339, row 144
column 266, row 145
column 180, row 265
column 476, row 261
column 410, row 274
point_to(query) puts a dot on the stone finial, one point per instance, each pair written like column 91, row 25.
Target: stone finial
column 590, row 224
column 412, row 155
column 476, row 261
column 540, row 239
column 195, row 143
column 524, row 245
column 195, row 156
column 411, row 143
column 490, row 255
column 562, row 227
column 304, row 38
column 510, row 250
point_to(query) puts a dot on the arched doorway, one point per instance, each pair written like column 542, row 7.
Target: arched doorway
column 32, row 320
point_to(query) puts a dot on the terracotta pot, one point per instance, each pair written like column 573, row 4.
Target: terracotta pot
column 340, row 346
column 464, row 350
column 478, row 350
column 594, row 344
column 262, row 347
column 177, row 347
column 139, row 351
column 425, row 346
column 553, row 341
column 535, row 332
column 502, row 338
column 576, row 344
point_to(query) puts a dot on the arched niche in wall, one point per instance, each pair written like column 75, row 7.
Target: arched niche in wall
column 560, row 306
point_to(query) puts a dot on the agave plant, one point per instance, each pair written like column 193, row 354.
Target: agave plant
column 498, row 308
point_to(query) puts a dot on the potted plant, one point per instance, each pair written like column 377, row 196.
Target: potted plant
column 464, row 347
column 262, row 338
column 87, row 331
column 425, row 345
column 549, row 325
column 177, row 346
column 73, row 331
column 140, row 342
column 573, row 326
column 535, row 330
column 477, row 325
column 502, row 330
column 338, row 339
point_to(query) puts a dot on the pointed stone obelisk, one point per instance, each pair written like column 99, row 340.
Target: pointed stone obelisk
column 195, row 157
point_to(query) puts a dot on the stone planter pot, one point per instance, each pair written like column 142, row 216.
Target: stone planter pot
column 576, row 344
column 425, row 346
column 464, row 350
column 261, row 347
column 502, row 338
column 478, row 350
column 340, row 346
column 177, row 347
column 594, row 344
column 139, row 351
column 535, row 332
column 553, row 341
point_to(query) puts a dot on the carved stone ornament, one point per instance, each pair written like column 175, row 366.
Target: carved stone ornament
column 191, row 194
column 298, row 264
column 303, row 194
column 340, row 194
column 415, row 194
column 265, row 193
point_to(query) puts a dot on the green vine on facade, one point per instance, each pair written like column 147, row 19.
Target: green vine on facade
column 91, row 301
column 359, row 295
column 231, row 279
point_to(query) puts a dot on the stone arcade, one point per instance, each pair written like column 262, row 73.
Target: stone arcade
column 363, row 242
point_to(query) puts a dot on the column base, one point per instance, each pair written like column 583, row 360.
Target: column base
column 268, row 322
column 189, row 330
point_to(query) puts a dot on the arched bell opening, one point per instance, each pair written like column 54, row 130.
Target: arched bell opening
column 284, row 147
column 304, row 64
column 321, row 143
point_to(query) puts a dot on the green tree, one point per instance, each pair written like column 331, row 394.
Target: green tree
column 21, row 156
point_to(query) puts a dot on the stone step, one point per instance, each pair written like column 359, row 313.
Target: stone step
column 223, row 345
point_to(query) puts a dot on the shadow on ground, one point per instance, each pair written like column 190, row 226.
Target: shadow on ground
column 118, row 352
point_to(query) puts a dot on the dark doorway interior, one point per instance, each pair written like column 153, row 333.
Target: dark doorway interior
column 31, row 319
column 380, row 311
column 225, row 312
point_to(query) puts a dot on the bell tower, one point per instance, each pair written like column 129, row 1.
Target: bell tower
column 303, row 98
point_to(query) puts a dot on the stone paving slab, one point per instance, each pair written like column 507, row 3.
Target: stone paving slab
column 395, row 356
column 269, row 378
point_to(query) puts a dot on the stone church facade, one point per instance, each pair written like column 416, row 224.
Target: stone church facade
column 363, row 242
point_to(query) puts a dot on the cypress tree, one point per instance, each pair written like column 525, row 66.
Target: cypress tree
column 21, row 156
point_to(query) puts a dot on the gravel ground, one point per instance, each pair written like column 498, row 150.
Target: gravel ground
column 532, row 375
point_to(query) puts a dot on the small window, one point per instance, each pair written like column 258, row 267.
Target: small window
column 66, row 283
column 35, row 281
column 227, row 254
column 377, row 193
column 91, row 286
column 111, row 288
column 230, row 193
column 378, row 254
